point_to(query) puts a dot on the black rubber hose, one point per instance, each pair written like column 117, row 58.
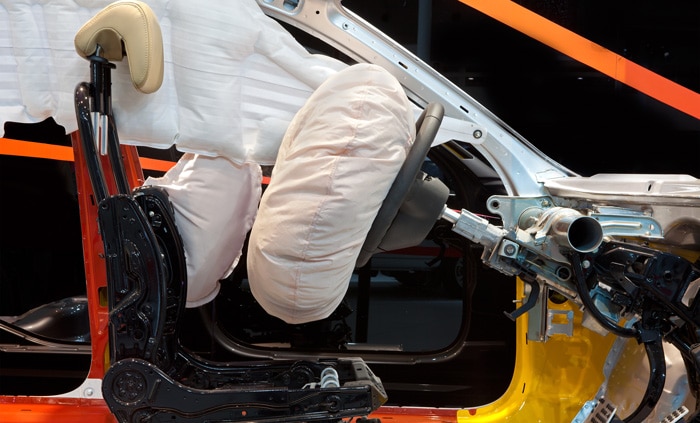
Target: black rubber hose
column 591, row 307
column 653, row 346
column 657, row 379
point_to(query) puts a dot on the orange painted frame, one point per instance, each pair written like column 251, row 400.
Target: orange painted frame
column 37, row 409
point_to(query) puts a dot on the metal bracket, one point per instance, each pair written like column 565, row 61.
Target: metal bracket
column 676, row 415
column 556, row 327
column 604, row 412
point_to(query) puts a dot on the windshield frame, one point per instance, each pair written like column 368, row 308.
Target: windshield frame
column 508, row 152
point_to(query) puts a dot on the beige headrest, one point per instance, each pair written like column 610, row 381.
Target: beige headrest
column 127, row 28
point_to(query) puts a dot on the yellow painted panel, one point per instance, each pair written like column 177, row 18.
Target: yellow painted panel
column 552, row 380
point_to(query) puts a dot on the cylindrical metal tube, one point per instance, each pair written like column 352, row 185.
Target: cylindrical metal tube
column 574, row 230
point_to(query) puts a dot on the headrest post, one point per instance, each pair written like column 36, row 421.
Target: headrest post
column 101, row 97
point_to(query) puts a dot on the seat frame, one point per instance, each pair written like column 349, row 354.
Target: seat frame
column 152, row 376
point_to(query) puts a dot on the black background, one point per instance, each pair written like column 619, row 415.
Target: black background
column 585, row 120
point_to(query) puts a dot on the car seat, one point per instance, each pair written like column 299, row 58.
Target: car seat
column 152, row 377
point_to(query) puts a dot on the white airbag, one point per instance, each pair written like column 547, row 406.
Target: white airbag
column 336, row 164
column 215, row 202
column 233, row 78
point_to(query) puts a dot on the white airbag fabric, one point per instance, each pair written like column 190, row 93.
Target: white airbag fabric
column 233, row 78
column 206, row 193
column 335, row 166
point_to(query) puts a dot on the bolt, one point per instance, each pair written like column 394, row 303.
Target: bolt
column 477, row 134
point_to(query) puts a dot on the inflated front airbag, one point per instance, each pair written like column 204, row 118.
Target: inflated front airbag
column 335, row 166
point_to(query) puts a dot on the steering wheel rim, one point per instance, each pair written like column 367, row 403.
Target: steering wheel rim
column 427, row 127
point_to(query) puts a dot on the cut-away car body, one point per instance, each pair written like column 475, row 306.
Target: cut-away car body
column 597, row 275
